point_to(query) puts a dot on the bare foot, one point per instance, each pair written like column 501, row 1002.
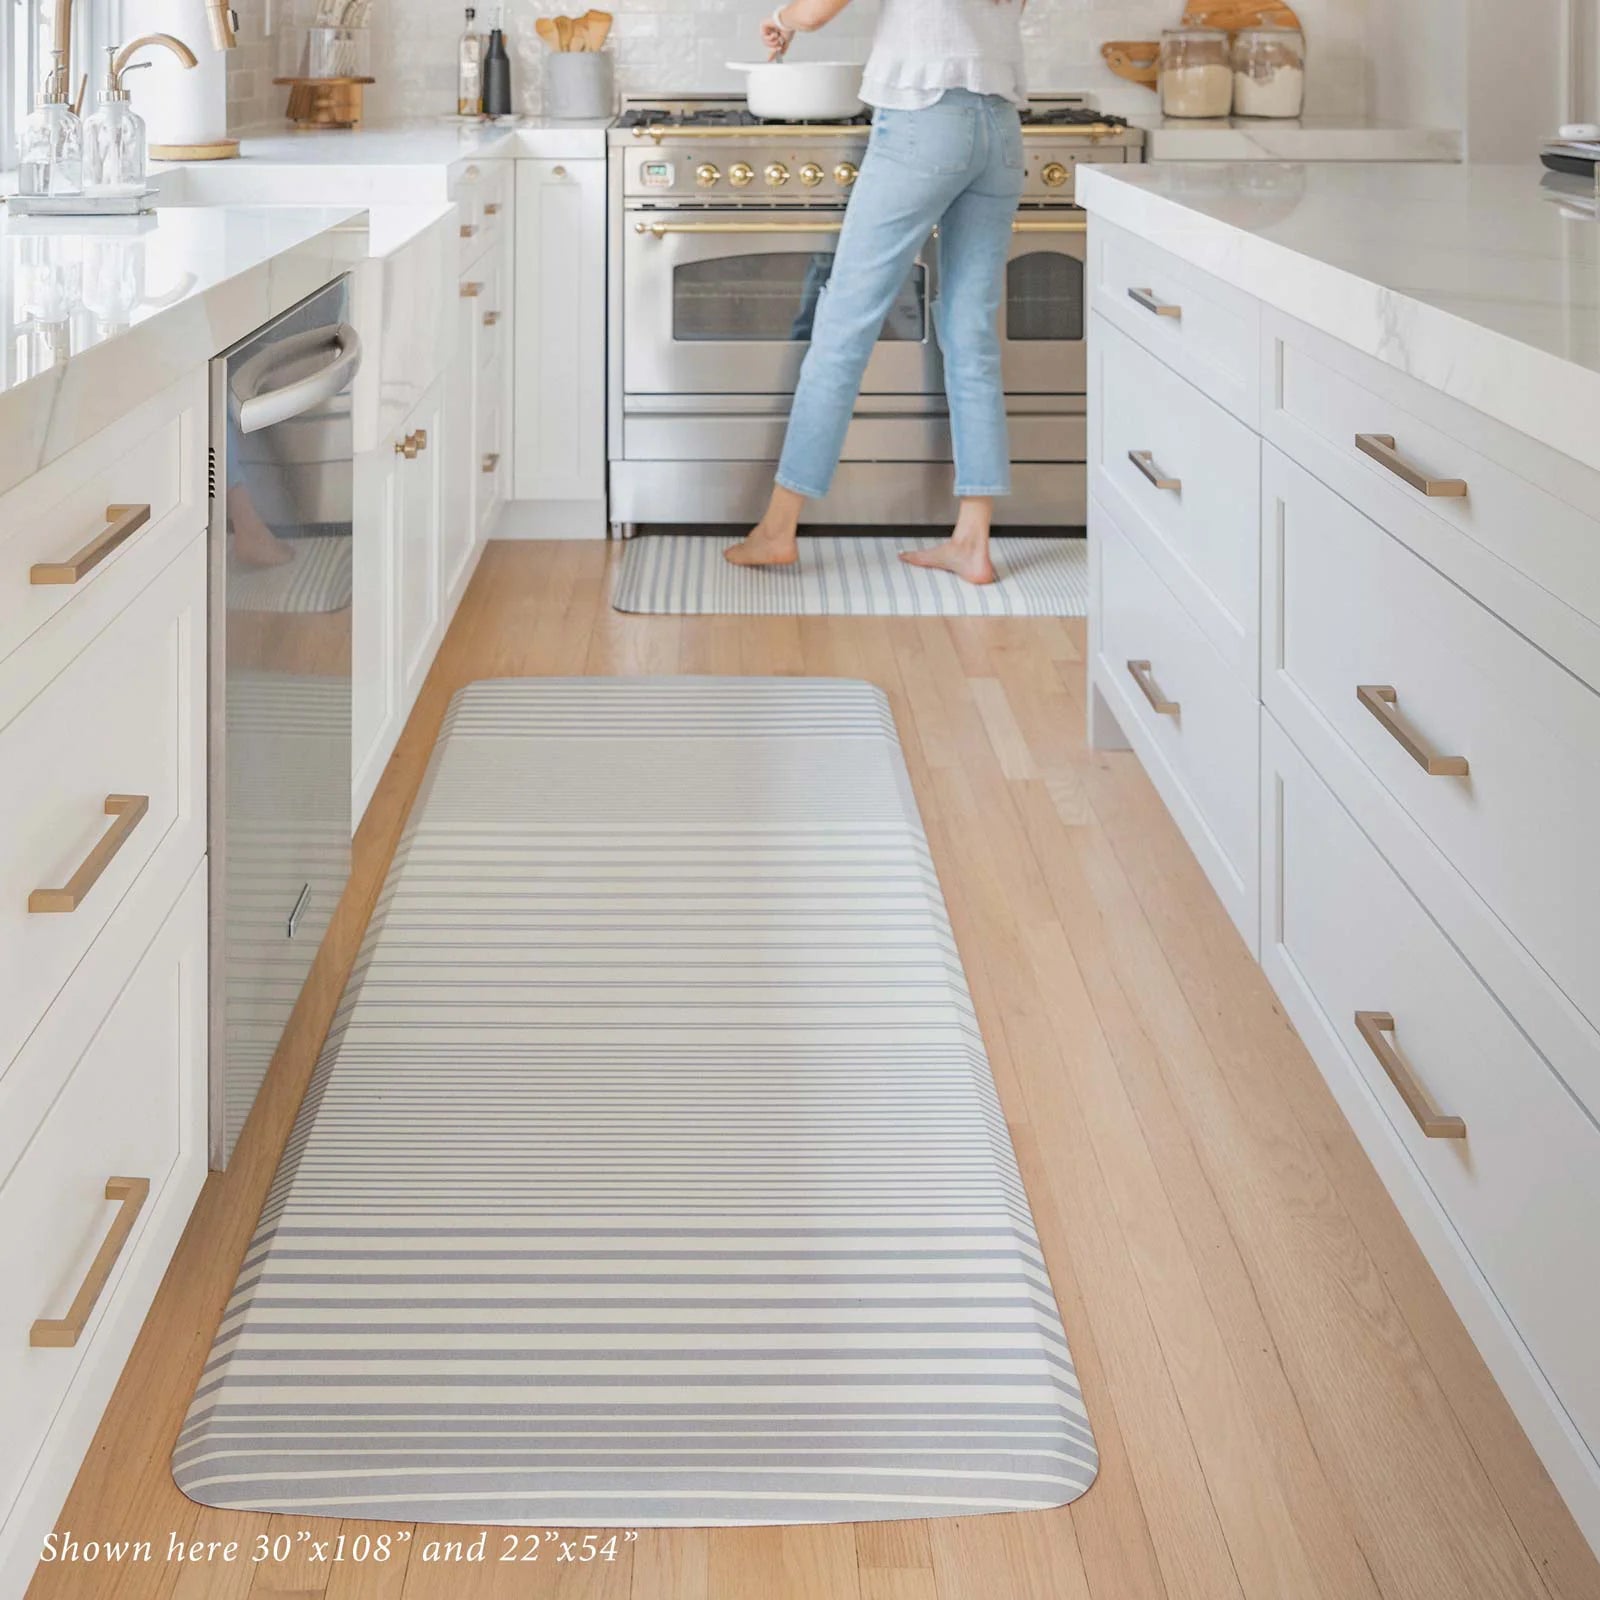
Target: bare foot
column 762, row 547
column 254, row 543
column 968, row 563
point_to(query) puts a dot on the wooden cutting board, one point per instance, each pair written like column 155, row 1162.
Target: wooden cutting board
column 1135, row 59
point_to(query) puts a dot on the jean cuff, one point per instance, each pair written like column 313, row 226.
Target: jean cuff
column 964, row 493
column 798, row 488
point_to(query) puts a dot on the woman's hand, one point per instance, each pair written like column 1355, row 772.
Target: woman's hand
column 776, row 36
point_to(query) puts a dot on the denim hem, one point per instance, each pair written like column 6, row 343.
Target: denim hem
column 796, row 488
column 963, row 493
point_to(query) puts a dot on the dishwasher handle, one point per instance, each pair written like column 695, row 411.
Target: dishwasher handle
column 272, row 406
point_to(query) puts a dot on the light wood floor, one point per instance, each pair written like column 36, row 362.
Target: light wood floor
column 1286, row 1406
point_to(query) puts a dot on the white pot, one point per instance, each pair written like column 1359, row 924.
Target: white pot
column 802, row 91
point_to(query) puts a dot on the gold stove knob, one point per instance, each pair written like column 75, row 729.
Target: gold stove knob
column 740, row 173
column 1054, row 175
column 844, row 174
column 811, row 174
column 705, row 175
column 776, row 175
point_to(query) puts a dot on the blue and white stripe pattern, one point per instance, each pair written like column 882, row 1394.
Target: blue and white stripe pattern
column 653, row 1173
column 849, row 575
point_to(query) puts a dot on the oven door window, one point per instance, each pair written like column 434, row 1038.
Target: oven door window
column 771, row 298
column 1044, row 297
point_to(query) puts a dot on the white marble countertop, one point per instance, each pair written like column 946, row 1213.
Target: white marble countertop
column 99, row 314
column 1480, row 281
column 1292, row 139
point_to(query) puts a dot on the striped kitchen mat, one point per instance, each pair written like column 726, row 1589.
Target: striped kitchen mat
column 316, row 578
column 653, row 1173
column 849, row 575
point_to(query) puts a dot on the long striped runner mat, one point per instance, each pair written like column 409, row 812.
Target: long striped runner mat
column 653, row 1172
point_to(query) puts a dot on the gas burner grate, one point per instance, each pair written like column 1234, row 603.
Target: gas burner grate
column 717, row 117
column 1070, row 117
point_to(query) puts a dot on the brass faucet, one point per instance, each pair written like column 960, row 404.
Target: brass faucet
column 223, row 20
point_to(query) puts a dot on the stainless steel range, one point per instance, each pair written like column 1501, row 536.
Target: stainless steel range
column 723, row 231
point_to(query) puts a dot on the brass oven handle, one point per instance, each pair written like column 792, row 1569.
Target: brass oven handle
column 129, row 810
column 121, row 522
column 490, row 318
column 791, row 130
column 1139, row 671
column 658, row 229
column 471, row 291
column 1380, row 446
column 1145, row 462
column 1147, row 299
column 1025, row 226
column 1374, row 1027
column 1379, row 699
column 491, row 461
column 50, row 1333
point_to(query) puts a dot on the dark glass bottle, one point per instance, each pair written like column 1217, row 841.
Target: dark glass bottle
column 496, row 75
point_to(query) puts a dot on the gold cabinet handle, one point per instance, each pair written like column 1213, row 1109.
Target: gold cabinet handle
column 469, row 230
column 50, row 1333
column 1147, row 299
column 1380, row 446
column 1145, row 462
column 129, row 810
column 471, row 291
column 1139, row 671
column 490, row 318
column 1375, row 1028
column 659, row 230
column 121, row 523
column 492, row 209
column 558, row 172
column 407, row 447
column 491, row 461
column 1379, row 699
column 1024, row 226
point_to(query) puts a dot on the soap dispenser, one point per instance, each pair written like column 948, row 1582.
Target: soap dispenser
column 113, row 136
column 51, row 148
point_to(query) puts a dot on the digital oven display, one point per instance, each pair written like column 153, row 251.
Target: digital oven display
column 657, row 174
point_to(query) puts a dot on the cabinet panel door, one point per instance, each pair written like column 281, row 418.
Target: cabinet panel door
column 374, row 648
column 560, row 335
column 419, row 505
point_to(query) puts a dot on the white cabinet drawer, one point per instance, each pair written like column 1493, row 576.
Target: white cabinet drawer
column 1204, row 329
column 79, row 539
column 1344, row 935
column 126, row 718
column 1522, row 537
column 132, row 1106
column 482, row 194
column 1179, row 474
column 1191, row 721
column 1349, row 606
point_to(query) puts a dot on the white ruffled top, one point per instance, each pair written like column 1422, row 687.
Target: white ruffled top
column 923, row 47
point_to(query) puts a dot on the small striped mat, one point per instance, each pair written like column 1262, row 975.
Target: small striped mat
column 849, row 575
column 316, row 578
column 653, row 1173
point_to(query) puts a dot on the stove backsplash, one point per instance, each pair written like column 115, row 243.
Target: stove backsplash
column 664, row 45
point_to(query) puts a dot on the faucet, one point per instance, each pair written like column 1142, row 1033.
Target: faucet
column 222, row 18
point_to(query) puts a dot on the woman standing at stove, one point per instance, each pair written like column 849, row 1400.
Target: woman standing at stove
column 945, row 77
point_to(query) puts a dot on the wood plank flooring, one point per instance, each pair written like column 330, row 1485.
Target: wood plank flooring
column 1286, row 1405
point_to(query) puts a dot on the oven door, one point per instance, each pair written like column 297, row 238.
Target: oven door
column 1042, row 317
column 722, row 303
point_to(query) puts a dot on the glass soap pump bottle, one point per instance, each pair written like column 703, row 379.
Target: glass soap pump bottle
column 51, row 147
column 114, row 153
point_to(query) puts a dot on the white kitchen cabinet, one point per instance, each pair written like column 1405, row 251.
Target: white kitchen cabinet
column 559, row 450
column 418, row 503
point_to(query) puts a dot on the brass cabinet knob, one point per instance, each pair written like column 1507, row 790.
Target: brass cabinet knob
column 471, row 291
column 705, row 175
column 490, row 318
column 740, row 173
column 1054, row 174
column 776, row 175
column 406, row 447
column 811, row 174
column 844, row 174
column 421, row 437
column 491, row 461
column 492, row 209
column 469, row 230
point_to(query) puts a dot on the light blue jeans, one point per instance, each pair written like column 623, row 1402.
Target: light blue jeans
column 957, row 165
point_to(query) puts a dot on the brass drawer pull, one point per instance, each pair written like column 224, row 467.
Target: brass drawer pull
column 1380, row 446
column 1379, row 699
column 469, row 230
column 121, row 522
column 408, row 447
column 1375, row 1027
column 421, row 436
column 1145, row 462
column 129, row 810
column 1147, row 299
column 492, row 209
column 50, row 1333
column 491, row 461
column 490, row 318
column 1140, row 673
column 471, row 291
column 1025, row 226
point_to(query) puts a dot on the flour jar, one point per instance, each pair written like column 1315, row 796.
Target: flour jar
column 1196, row 75
column 1269, row 72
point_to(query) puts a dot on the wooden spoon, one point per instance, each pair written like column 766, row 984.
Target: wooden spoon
column 564, row 33
column 599, row 28
column 546, row 29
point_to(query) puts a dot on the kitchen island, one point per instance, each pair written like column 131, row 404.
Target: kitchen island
column 1345, row 607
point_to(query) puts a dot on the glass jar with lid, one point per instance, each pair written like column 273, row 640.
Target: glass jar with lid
column 1195, row 76
column 1269, row 72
